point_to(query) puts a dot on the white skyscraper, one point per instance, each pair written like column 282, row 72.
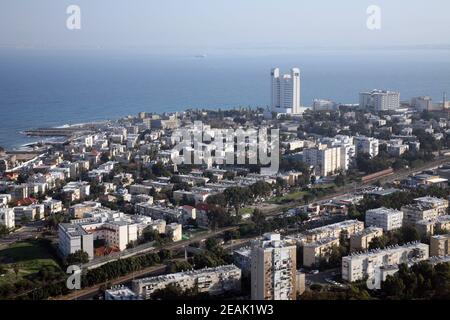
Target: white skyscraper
column 286, row 91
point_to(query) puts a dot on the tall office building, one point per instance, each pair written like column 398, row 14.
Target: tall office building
column 379, row 100
column 273, row 269
column 286, row 91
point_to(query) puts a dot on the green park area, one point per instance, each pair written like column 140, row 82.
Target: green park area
column 289, row 197
column 22, row 259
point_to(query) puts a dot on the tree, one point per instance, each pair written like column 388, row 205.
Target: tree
column 259, row 220
column 78, row 257
column 16, row 269
column 339, row 180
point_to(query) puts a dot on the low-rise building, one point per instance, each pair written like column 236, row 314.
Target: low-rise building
column 360, row 241
column 425, row 208
column 334, row 230
column 387, row 219
column 121, row 293
column 357, row 266
column 215, row 281
column 316, row 251
column 7, row 218
column 439, row 245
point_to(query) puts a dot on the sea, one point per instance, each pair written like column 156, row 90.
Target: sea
column 55, row 87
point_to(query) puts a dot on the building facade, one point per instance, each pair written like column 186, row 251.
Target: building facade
column 273, row 269
column 387, row 219
column 285, row 91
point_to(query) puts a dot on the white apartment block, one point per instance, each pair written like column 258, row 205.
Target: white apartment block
column 424, row 103
column 367, row 145
column 31, row 212
column 348, row 150
column 387, row 219
column 360, row 265
column 72, row 238
column 175, row 229
column 215, row 281
column 7, row 218
column 273, row 269
column 324, row 105
column 115, row 228
column 326, row 161
column 425, row 208
column 77, row 190
column 379, row 100
column 360, row 241
column 321, row 249
column 428, row 227
column 285, row 91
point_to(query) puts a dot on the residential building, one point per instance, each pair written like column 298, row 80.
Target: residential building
column 367, row 145
column 387, row 219
column 121, row 293
column 325, row 160
column 425, row 208
column 215, row 281
column 7, row 218
column 379, row 100
column 273, row 269
column 335, row 230
column 357, row 266
column 360, row 241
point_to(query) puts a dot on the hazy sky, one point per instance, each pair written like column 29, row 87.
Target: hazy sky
column 210, row 24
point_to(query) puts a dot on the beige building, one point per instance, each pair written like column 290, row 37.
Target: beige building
column 429, row 227
column 360, row 241
column 273, row 269
column 439, row 245
column 313, row 252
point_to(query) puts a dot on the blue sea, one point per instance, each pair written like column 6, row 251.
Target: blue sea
column 53, row 87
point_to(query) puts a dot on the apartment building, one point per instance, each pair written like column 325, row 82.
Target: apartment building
column 357, row 266
column 215, row 281
column 360, row 241
column 334, row 230
column 7, row 218
column 366, row 145
column 387, row 219
column 273, row 269
column 115, row 228
column 313, row 252
column 439, row 245
column 325, row 160
column 429, row 227
column 425, row 208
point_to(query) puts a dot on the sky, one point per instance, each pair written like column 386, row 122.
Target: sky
column 202, row 25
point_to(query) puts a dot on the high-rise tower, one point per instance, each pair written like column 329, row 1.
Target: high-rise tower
column 285, row 91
